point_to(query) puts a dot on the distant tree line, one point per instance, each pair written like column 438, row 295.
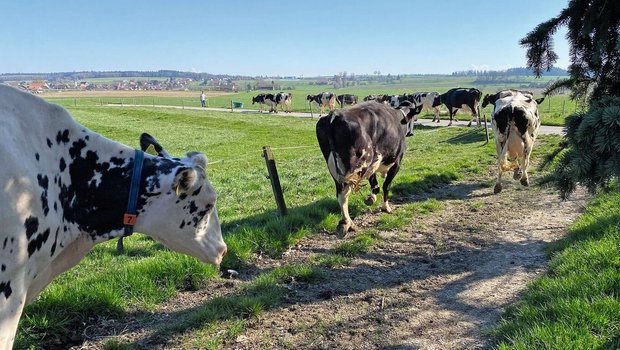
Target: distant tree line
column 510, row 72
column 116, row 74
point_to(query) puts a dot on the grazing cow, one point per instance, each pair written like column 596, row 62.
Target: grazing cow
column 346, row 99
column 265, row 99
column 461, row 98
column 359, row 142
column 377, row 98
column 65, row 188
column 515, row 123
column 323, row 100
column 429, row 100
column 396, row 100
column 284, row 99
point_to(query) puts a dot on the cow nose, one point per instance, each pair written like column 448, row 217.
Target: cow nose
column 223, row 251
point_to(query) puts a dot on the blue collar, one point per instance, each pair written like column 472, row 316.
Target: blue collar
column 129, row 219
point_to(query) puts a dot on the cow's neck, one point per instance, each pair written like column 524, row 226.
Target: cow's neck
column 94, row 187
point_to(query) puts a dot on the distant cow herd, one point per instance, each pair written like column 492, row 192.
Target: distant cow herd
column 69, row 188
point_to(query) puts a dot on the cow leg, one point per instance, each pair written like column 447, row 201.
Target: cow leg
column 385, row 206
column 436, row 111
column 374, row 190
column 12, row 307
column 452, row 113
column 528, row 144
column 346, row 224
column 502, row 149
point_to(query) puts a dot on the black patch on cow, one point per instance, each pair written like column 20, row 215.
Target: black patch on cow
column 32, row 225
column 182, row 196
column 43, row 181
column 63, row 164
column 55, row 242
column 49, row 143
column 6, row 239
column 182, row 224
column 38, row 242
column 76, row 148
column 197, row 191
column 36, row 155
column 192, row 207
column 5, row 287
column 55, row 206
column 87, row 137
column 520, row 118
column 3, row 268
column 117, row 161
column 62, row 136
column 501, row 119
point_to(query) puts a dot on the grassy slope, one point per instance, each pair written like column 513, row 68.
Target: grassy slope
column 106, row 285
column 576, row 305
column 552, row 111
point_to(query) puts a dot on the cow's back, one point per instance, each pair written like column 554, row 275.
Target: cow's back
column 361, row 132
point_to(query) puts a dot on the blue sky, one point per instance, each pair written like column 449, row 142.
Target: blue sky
column 302, row 38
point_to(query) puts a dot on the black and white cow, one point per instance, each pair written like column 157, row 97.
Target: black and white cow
column 346, row 100
column 396, row 100
column 461, row 98
column 65, row 188
column 359, row 142
column 265, row 99
column 323, row 100
column 429, row 100
column 515, row 123
column 377, row 98
column 284, row 100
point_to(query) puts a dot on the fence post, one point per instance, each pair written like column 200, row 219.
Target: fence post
column 486, row 129
column 563, row 105
column 231, row 106
column 119, row 246
column 182, row 104
column 275, row 179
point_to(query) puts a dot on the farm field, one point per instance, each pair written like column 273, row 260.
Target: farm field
column 163, row 298
column 552, row 111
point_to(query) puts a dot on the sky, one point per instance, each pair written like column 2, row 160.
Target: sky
column 286, row 37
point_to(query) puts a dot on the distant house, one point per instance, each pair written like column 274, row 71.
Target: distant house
column 37, row 86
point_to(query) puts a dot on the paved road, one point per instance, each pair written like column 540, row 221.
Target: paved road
column 544, row 129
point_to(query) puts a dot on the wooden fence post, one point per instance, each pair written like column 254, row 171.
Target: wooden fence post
column 119, row 246
column 231, row 106
column 486, row 129
column 275, row 179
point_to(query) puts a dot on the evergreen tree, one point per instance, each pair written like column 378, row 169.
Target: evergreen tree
column 594, row 38
column 590, row 153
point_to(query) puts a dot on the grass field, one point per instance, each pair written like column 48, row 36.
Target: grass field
column 107, row 285
column 576, row 305
column 552, row 111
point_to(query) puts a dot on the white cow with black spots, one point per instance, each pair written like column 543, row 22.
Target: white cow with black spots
column 64, row 188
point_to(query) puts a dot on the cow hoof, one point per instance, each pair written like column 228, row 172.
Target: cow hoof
column 468, row 125
column 450, row 123
column 370, row 200
column 409, row 134
column 498, row 188
column 525, row 182
column 517, row 174
column 343, row 228
column 386, row 208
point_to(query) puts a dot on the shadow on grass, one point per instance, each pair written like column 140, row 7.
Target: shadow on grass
column 471, row 136
column 397, row 270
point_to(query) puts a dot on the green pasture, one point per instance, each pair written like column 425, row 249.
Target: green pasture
column 552, row 111
column 576, row 305
column 108, row 286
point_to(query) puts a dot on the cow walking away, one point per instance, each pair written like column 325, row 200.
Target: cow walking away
column 66, row 188
column 284, row 100
column 346, row 100
column 461, row 98
column 515, row 122
column 377, row 98
column 429, row 100
column 323, row 100
column 265, row 99
column 359, row 142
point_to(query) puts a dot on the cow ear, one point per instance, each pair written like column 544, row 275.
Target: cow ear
column 185, row 180
column 148, row 143
column 200, row 161
column 540, row 100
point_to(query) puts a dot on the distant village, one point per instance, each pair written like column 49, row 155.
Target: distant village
column 173, row 84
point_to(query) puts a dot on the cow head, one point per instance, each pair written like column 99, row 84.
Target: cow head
column 410, row 111
column 183, row 217
column 256, row 99
column 489, row 99
column 310, row 97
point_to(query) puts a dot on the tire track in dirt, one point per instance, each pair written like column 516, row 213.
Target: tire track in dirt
column 439, row 283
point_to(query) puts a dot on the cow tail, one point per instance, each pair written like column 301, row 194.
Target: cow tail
column 504, row 154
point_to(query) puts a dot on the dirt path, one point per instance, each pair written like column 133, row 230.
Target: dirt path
column 440, row 283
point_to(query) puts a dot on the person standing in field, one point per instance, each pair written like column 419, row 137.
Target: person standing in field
column 203, row 98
